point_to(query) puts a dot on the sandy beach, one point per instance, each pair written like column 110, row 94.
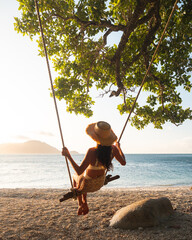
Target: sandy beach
column 38, row 214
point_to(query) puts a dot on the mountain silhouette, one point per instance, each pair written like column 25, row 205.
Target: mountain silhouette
column 29, row 147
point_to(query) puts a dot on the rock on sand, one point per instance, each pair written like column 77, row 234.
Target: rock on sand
column 144, row 213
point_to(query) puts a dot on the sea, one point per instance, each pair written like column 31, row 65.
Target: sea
column 141, row 170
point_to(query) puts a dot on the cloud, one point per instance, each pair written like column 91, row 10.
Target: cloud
column 49, row 134
column 21, row 137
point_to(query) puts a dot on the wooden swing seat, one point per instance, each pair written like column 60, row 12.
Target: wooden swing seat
column 89, row 185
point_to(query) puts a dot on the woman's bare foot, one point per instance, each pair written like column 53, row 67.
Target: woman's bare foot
column 85, row 208
column 80, row 210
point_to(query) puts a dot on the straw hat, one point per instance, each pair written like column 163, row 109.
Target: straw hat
column 102, row 133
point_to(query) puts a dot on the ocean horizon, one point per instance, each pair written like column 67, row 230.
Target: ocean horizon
column 50, row 171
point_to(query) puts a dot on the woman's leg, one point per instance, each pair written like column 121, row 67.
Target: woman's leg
column 85, row 206
column 76, row 184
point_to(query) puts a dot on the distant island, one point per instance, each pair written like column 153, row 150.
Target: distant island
column 29, row 147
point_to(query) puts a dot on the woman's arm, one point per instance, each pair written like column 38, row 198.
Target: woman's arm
column 118, row 154
column 85, row 163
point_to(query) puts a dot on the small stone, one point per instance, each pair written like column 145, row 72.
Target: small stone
column 175, row 226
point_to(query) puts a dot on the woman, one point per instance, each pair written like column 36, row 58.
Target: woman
column 97, row 161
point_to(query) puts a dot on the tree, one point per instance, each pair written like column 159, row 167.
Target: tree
column 77, row 35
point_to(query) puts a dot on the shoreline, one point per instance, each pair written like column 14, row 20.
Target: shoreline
column 37, row 214
column 147, row 188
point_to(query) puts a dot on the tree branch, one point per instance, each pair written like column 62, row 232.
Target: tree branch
column 96, row 55
column 124, row 39
column 85, row 24
column 153, row 14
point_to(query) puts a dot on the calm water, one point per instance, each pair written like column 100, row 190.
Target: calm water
column 50, row 171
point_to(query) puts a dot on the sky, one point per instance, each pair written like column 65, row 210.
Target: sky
column 27, row 111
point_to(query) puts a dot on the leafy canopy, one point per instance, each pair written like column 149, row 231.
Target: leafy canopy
column 77, row 35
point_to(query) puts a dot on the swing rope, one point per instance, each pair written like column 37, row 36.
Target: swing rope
column 143, row 81
column 52, row 88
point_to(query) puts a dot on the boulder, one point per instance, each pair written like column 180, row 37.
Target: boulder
column 145, row 213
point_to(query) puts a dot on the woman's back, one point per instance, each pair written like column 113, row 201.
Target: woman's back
column 101, row 160
column 95, row 168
